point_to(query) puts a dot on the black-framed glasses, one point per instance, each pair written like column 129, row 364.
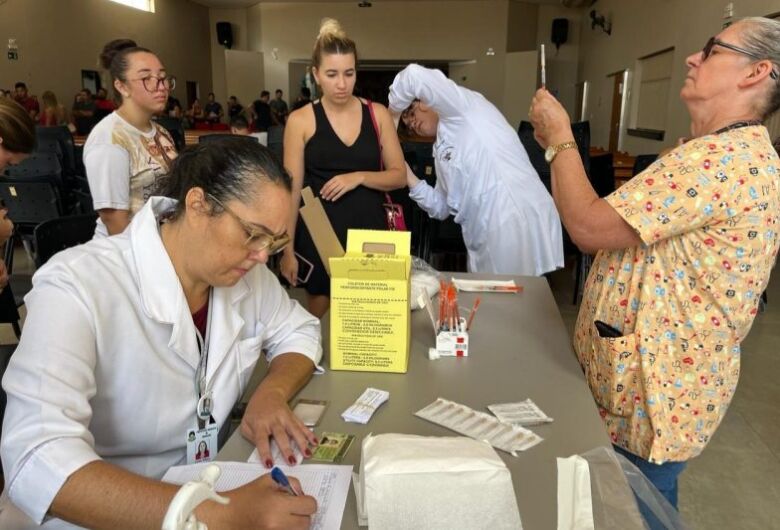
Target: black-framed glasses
column 258, row 239
column 713, row 41
column 153, row 83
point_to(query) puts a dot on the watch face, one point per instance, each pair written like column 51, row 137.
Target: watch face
column 549, row 154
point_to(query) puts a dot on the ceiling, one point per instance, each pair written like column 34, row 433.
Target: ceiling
column 246, row 3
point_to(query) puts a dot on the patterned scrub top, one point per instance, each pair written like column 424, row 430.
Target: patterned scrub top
column 707, row 213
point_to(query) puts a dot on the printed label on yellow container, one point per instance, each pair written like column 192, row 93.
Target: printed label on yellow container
column 369, row 309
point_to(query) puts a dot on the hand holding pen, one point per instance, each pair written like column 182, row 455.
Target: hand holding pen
column 262, row 504
column 281, row 479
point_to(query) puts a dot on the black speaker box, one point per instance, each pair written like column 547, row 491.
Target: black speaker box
column 225, row 34
column 560, row 31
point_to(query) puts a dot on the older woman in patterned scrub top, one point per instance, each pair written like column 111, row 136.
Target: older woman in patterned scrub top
column 683, row 253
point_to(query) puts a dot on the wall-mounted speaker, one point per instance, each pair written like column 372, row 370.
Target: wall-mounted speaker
column 560, row 31
column 225, row 34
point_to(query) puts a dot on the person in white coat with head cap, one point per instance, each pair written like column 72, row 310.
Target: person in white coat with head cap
column 483, row 176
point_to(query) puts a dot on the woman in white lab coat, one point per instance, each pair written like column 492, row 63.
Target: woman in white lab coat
column 484, row 177
column 136, row 342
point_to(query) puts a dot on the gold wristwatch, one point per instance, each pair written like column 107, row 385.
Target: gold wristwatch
column 552, row 151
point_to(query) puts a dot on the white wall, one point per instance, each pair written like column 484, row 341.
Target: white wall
column 519, row 87
column 640, row 28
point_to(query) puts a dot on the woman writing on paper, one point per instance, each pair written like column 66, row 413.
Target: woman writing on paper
column 135, row 341
column 484, row 177
column 346, row 149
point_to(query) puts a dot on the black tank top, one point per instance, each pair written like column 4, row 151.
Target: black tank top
column 326, row 156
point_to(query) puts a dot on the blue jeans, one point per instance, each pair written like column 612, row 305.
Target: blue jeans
column 662, row 476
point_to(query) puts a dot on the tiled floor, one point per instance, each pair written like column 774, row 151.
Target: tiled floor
column 735, row 483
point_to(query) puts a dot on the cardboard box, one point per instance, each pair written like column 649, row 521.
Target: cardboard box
column 369, row 303
column 325, row 239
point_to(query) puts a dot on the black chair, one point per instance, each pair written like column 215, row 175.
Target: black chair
column 581, row 132
column 58, row 234
column 437, row 242
column 9, row 310
column 276, row 141
column 602, row 174
column 62, row 135
column 6, row 350
column 38, row 166
column 205, row 138
column 30, row 203
column 642, row 162
column 176, row 129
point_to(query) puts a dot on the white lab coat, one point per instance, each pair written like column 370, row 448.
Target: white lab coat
column 484, row 178
column 106, row 365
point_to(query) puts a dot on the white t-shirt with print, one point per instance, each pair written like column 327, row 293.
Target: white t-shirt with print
column 123, row 164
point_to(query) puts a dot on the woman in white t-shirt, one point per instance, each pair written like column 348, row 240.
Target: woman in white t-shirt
column 127, row 152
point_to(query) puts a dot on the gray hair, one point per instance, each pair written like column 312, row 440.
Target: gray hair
column 761, row 37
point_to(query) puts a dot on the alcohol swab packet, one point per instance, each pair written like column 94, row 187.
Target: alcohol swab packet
column 520, row 414
column 363, row 408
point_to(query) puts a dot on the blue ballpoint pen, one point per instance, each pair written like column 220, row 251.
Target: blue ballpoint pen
column 281, row 479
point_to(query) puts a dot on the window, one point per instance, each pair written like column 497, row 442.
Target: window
column 655, row 75
column 143, row 5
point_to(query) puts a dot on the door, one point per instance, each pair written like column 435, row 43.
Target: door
column 192, row 93
column 617, row 108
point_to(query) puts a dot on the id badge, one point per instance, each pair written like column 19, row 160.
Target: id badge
column 202, row 444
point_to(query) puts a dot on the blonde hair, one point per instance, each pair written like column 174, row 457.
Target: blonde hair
column 332, row 39
column 49, row 99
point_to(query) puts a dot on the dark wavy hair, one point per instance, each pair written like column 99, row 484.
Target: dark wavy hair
column 227, row 168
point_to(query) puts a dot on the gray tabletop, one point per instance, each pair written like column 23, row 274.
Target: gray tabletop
column 519, row 348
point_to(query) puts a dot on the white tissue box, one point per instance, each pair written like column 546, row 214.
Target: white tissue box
column 428, row 483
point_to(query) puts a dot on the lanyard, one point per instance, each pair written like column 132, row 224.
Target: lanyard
column 205, row 403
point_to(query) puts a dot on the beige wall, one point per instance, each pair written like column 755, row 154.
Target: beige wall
column 519, row 87
column 59, row 38
column 561, row 63
column 521, row 27
column 683, row 24
column 238, row 21
column 439, row 30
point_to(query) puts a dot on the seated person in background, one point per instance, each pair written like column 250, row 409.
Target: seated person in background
column 235, row 108
column 52, row 113
column 303, row 99
column 484, row 176
column 195, row 114
column 103, row 105
column 17, row 141
column 240, row 126
column 213, row 110
column 83, row 112
column 173, row 107
column 261, row 112
column 30, row 103
column 100, row 389
column 683, row 253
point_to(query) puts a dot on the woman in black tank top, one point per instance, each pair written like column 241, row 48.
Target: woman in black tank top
column 347, row 156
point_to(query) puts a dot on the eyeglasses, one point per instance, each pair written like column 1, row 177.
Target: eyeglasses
column 258, row 239
column 707, row 51
column 407, row 116
column 153, row 83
